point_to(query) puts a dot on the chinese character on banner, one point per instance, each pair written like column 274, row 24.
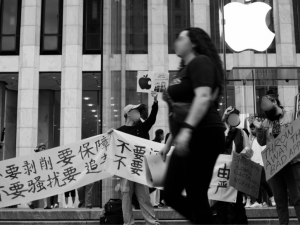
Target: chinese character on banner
column 137, row 162
column 120, row 161
column 70, row 174
column 103, row 142
column 153, row 151
column 55, row 179
column 17, row 190
column 65, row 156
column 223, row 173
column 104, row 158
column 36, row 185
column 46, row 163
column 29, row 167
column 123, row 146
column 92, row 167
column 12, row 172
column 86, row 151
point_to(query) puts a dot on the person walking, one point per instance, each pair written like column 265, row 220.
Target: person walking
column 287, row 181
column 197, row 131
column 134, row 126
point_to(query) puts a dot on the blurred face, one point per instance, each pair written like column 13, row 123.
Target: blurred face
column 134, row 115
column 267, row 103
column 183, row 45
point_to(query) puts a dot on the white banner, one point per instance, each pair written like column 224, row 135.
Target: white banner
column 71, row 166
column 219, row 188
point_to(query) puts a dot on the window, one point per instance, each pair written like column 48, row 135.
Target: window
column 215, row 26
column 296, row 10
column 10, row 26
column 178, row 19
column 51, row 29
column 92, row 27
column 136, row 27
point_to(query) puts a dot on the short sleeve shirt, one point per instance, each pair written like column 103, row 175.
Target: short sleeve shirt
column 200, row 72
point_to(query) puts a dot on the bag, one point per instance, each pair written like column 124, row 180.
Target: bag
column 113, row 212
column 112, row 220
column 113, row 207
column 180, row 110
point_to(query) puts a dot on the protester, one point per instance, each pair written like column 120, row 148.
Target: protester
column 85, row 196
column 67, row 195
column 257, row 158
column 155, row 193
column 134, row 126
column 195, row 125
column 287, row 180
column 236, row 141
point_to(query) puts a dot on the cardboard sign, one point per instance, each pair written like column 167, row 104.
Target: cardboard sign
column 282, row 149
column 245, row 176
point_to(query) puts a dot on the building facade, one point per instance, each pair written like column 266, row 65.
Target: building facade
column 69, row 67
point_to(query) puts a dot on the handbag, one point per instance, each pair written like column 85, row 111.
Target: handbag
column 180, row 110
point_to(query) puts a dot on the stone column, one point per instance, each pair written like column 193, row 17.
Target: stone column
column 28, row 87
column 27, row 119
column 71, row 79
column 285, row 51
column 200, row 14
column 158, row 54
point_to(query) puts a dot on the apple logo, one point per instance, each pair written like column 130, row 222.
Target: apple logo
column 145, row 82
column 245, row 26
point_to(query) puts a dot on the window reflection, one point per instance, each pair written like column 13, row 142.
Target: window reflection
column 92, row 27
column 178, row 19
column 51, row 32
column 10, row 26
column 136, row 27
column 296, row 10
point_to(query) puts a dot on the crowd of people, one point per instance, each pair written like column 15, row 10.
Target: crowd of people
column 197, row 131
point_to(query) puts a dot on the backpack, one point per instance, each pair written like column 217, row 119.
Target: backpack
column 113, row 212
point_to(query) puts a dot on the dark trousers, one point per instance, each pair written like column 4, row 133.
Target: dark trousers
column 265, row 186
column 286, row 182
column 193, row 173
column 85, row 195
column 54, row 200
column 230, row 213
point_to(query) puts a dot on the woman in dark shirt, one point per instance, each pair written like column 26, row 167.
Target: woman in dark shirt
column 199, row 139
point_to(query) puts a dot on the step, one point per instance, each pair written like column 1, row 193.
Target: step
column 91, row 216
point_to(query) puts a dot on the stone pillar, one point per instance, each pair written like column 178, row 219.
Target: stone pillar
column 158, row 55
column 28, row 86
column 285, row 51
column 200, row 16
column 45, row 119
column 71, row 79
column 27, row 119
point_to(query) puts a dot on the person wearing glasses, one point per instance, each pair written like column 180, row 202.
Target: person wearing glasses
column 287, row 181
